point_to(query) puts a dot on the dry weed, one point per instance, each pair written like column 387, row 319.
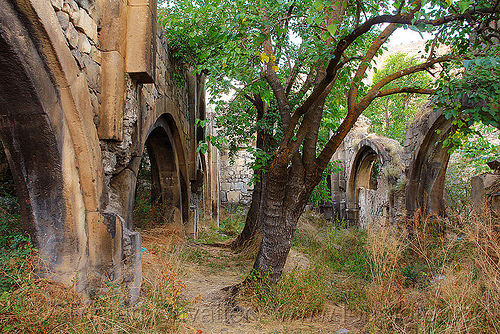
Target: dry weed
column 457, row 287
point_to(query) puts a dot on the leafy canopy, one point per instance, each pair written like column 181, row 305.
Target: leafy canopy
column 294, row 70
column 391, row 114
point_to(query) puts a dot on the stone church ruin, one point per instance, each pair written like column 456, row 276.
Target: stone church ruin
column 86, row 87
column 383, row 180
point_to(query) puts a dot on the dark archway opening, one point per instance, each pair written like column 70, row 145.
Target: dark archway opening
column 159, row 195
column 16, row 247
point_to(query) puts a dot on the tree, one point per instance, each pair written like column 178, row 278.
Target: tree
column 292, row 65
column 391, row 114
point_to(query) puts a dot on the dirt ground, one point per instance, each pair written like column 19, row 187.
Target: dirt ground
column 206, row 271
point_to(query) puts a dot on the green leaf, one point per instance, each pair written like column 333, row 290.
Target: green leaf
column 332, row 28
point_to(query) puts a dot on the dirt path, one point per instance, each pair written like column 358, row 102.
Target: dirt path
column 215, row 269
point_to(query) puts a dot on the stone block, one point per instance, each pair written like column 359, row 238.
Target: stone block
column 78, row 57
column 72, row 36
column 100, row 241
column 89, row 157
column 71, row 7
column 140, row 47
column 93, row 71
column 86, row 24
column 113, row 97
column 480, row 185
column 95, row 54
column 112, row 36
column 87, row 4
column 233, row 196
column 57, row 4
column 84, row 44
column 63, row 19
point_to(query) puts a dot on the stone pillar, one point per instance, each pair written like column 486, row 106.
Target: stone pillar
column 486, row 192
column 141, row 31
column 112, row 42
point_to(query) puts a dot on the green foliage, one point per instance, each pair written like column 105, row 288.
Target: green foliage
column 391, row 114
column 227, row 40
column 16, row 251
column 471, row 95
column 224, row 39
column 231, row 223
column 458, row 189
column 340, row 254
column 299, row 294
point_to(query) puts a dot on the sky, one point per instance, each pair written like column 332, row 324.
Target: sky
column 405, row 36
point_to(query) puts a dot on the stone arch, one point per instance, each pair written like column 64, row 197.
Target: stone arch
column 428, row 160
column 168, row 183
column 381, row 153
column 51, row 143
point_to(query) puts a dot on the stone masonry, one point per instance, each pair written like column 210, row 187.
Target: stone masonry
column 85, row 87
column 236, row 178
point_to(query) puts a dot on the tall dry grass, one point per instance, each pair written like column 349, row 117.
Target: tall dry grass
column 45, row 306
column 427, row 282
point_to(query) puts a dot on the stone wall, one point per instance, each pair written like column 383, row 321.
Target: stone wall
column 486, row 193
column 235, row 177
column 86, row 86
column 369, row 187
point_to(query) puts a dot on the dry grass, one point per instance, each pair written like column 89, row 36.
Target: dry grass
column 44, row 306
column 428, row 283
column 419, row 282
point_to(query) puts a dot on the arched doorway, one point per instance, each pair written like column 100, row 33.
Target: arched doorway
column 372, row 191
column 166, row 185
column 428, row 163
column 51, row 143
column 364, row 176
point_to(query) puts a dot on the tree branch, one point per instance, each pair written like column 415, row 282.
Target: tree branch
column 358, row 108
column 410, row 90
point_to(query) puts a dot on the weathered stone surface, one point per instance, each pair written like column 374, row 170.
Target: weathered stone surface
column 86, row 4
column 72, row 36
column 63, row 19
column 112, row 99
column 95, row 54
column 71, row 7
column 233, row 196
column 57, row 4
column 74, row 186
column 84, row 44
column 85, row 23
column 78, row 57
column 480, row 186
column 112, row 36
column 149, row 3
column 363, row 190
column 93, row 71
column 140, row 46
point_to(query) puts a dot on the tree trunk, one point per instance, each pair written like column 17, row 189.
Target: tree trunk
column 251, row 234
column 284, row 200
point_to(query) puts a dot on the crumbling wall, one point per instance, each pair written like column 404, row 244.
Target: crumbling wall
column 236, row 178
column 368, row 188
